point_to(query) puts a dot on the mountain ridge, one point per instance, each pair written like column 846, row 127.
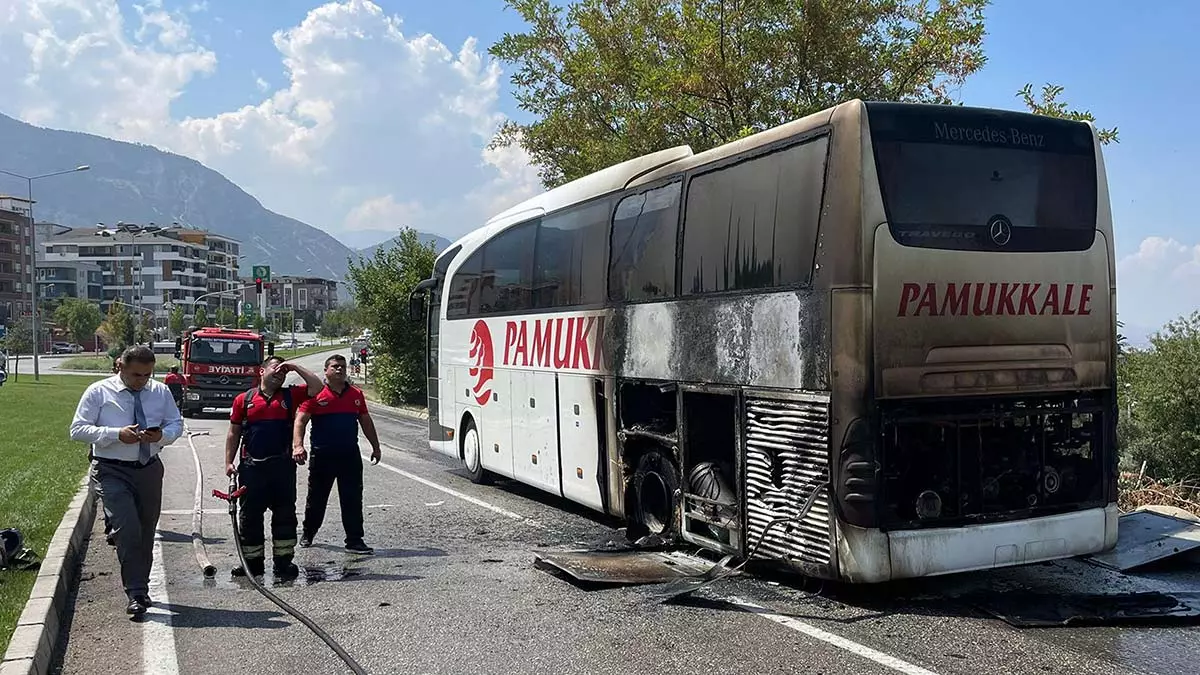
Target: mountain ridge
column 138, row 183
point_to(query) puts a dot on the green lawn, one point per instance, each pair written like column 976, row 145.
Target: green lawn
column 40, row 470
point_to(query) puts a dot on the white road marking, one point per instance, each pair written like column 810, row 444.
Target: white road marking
column 158, row 635
column 812, row 631
column 189, row 512
column 845, row 644
column 452, row 492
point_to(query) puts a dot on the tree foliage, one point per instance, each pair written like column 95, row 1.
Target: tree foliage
column 177, row 321
column 1158, row 396
column 1050, row 105
column 339, row 322
column 225, row 317
column 382, row 285
column 80, row 317
column 119, row 329
column 200, row 317
column 609, row 80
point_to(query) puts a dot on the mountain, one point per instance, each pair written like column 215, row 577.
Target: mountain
column 140, row 184
column 439, row 243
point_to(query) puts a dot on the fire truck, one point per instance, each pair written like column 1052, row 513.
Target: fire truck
column 217, row 364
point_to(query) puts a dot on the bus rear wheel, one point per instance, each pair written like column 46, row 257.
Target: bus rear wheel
column 656, row 497
column 472, row 453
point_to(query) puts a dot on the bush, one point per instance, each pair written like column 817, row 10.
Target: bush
column 393, row 383
column 1159, row 394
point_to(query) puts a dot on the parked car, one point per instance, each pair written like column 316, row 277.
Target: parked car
column 65, row 348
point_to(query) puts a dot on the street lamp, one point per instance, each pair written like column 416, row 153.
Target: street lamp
column 33, row 249
column 198, row 298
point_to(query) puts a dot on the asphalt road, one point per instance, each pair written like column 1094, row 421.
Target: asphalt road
column 453, row 588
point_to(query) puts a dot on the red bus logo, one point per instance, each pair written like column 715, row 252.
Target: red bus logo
column 484, row 358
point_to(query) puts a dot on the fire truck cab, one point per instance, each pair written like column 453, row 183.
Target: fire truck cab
column 217, row 364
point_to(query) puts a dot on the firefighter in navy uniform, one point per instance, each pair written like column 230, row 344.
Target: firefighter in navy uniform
column 260, row 426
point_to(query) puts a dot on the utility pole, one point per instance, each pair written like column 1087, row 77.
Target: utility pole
column 33, row 294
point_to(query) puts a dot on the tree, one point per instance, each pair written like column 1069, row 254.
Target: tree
column 225, row 316
column 381, row 288
column 118, row 329
column 1050, row 105
column 609, row 80
column 200, row 318
column 1158, row 387
column 80, row 317
column 18, row 340
column 177, row 322
column 338, row 322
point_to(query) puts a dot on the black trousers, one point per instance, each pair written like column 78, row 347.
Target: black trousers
column 269, row 485
column 346, row 469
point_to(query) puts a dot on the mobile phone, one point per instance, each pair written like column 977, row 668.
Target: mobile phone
column 152, row 429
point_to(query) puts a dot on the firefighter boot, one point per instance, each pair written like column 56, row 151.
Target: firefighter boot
column 285, row 568
column 257, row 567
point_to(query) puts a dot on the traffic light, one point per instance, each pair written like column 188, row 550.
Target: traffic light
column 258, row 285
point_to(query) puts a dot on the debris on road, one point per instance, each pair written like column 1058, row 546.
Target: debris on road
column 1144, row 537
column 1032, row 610
column 624, row 567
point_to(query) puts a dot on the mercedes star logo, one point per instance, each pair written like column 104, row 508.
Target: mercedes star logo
column 225, row 378
column 1000, row 230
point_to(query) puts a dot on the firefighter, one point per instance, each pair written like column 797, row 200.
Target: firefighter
column 260, row 425
column 336, row 412
column 174, row 382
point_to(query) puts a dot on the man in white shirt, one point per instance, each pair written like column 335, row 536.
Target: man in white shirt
column 127, row 419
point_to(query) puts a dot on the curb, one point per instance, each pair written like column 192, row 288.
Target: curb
column 377, row 405
column 35, row 638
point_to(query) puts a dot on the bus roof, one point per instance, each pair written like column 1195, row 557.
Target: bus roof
column 604, row 181
column 767, row 137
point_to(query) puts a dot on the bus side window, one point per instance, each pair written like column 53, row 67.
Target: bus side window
column 570, row 259
column 462, row 300
column 507, row 276
column 754, row 224
column 642, row 258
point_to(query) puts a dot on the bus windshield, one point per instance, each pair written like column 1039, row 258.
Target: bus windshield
column 226, row 351
column 972, row 180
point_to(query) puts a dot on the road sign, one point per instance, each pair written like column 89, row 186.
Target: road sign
column 262, row 273
column 247, row 306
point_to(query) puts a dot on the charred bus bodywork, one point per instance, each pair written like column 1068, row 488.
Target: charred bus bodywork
column 900, row 316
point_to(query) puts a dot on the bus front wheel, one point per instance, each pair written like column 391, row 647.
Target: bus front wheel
column 656, row 497
column 472, row 453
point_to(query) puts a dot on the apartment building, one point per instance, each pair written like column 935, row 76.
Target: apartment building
column 16, row 258
column 298, row 295
column 223, row 256
column 152, row 269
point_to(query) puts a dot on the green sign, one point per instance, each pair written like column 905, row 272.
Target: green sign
column 262, row 272
column 248, row 306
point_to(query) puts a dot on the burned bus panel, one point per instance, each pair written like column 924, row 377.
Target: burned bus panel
column 949, row 463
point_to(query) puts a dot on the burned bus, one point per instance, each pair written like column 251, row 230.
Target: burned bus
column 874, row 343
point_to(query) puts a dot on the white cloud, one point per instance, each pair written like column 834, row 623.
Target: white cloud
column 383, row 213
column 1159, row 282
column 372, row 126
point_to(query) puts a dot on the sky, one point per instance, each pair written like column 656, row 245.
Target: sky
column 359, row 117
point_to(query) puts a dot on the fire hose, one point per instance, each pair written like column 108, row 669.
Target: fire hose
column 236, row 491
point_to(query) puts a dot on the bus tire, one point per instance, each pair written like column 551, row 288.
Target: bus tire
column 656, row 497
column 471, row 453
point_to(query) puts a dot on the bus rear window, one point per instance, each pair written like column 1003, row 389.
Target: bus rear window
column 972, row 180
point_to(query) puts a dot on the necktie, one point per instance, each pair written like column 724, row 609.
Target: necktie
column 139, row 416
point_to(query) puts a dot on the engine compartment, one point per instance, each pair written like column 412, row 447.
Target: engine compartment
column 947, row 463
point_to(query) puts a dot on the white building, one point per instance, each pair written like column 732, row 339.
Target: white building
column 149, row 269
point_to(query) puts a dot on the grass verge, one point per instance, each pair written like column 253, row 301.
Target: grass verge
column 39, row 474
column 373, row 396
